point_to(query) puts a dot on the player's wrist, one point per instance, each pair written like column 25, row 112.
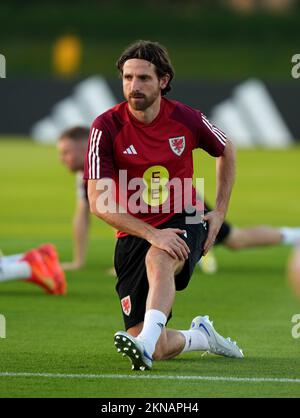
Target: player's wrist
column 221, row 212
column 149, row 233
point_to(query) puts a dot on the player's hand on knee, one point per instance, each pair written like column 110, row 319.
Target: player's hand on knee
column 169, row 240
column 215, row 220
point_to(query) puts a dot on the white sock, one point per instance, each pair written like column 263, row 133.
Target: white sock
column 11, row 258
column 154, row 323
column 195, row 340
column 14, row 271
column 290, row 236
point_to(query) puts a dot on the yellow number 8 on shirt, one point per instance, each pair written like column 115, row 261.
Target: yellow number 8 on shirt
column 155, row 179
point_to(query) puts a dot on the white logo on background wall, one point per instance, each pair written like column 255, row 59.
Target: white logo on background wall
column 296, row 67
column 296, row 327
column 2, row 66
column 2, row 326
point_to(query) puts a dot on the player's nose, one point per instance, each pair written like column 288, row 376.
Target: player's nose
column 135, row 85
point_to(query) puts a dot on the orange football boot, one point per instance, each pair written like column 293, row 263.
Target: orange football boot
column 40, row 273
column 50, row 257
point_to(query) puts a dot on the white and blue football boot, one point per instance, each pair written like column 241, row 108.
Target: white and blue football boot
column 217, row 344
column 134, row 349
column 208, row 263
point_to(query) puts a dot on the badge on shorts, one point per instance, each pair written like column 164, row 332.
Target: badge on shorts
column 177, row 144
column 126, row 305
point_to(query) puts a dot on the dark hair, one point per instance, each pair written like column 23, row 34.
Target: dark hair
column 77, row 133
column 152, row 52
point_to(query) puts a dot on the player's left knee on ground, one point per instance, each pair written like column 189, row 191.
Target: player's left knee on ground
column 161, row 347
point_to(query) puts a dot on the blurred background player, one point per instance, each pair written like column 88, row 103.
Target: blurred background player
column 39, row 266
column 72, row 146
column 236, row 238
column 294, row 270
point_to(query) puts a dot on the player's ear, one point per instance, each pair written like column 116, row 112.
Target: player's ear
column 164, row 81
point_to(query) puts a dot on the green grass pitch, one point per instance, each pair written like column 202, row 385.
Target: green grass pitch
column 248, row 298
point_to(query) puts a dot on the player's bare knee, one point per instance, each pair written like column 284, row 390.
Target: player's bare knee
column 153, row 256
column 157, row 260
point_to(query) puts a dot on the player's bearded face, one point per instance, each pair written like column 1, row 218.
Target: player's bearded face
column 141, row 85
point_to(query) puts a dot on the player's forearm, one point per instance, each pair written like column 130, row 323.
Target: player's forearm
column 225, row 166
column 126, row 223
column 109, row 211
column 80, row 238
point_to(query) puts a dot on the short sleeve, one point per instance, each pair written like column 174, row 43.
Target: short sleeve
column 211, row 138
column 99, row 160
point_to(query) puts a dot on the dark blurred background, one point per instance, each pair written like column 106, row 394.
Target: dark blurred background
column 51, row 46
column 224, row 39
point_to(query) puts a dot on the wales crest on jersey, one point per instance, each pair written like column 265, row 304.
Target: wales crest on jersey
column 177, row 144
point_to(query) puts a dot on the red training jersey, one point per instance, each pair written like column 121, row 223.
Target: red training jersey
column 155, row 153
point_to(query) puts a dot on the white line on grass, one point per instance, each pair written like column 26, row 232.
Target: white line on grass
column 151, row 377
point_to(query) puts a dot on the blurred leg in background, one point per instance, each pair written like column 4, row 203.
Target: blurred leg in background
column 294, row 271
column 38, row 266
